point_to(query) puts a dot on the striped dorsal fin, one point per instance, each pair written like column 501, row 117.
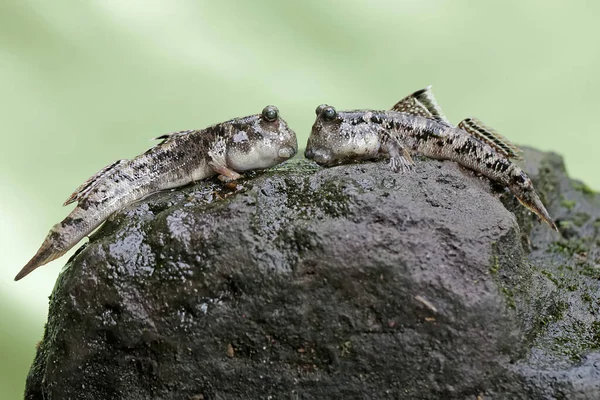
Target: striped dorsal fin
column 423, row 104
column 86, row 186
column 502, row 145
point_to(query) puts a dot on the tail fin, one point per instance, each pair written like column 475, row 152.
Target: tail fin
column 532, row 201
column 44, row 255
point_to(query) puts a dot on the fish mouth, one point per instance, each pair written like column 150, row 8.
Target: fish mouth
column 286, row 152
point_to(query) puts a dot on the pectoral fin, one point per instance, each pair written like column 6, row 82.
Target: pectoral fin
column 421, row 103
column 491, row 137
column 401, row 162
column 218, row 163
column 225, row 174
column 400, row 159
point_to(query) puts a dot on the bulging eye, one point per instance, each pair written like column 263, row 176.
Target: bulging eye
column 270, row 113
column 320, row 108
column 329, row 113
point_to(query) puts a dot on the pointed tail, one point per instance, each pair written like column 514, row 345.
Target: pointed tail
column 532, row 201
column 63, row 236
column 99, row 197
column 44, row 255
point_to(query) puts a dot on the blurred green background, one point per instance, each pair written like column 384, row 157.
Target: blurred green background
column 84, row 83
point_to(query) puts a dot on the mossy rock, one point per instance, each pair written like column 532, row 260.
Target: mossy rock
column 340, row 283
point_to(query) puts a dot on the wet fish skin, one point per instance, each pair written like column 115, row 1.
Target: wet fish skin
column 340, row 137
column 241, row 144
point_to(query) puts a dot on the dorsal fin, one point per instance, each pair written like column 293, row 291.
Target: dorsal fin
column 170, row 136
column 167, row 138
column 86, row 186
column 490, row 136
column 421, row 103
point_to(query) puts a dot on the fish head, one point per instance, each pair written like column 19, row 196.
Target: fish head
column 342, row 137
column 260, row 141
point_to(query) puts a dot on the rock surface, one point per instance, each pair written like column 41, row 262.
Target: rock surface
column 343, row 283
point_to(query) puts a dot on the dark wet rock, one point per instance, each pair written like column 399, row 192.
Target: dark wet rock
column 341, row 283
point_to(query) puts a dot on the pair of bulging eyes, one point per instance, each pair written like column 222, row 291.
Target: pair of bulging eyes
column 270, row 113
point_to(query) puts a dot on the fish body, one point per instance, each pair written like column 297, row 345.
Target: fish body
column 416, row 125
column 225, row 149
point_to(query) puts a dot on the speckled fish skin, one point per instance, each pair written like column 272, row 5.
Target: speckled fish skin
column 366, row 134
column 241, row 144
